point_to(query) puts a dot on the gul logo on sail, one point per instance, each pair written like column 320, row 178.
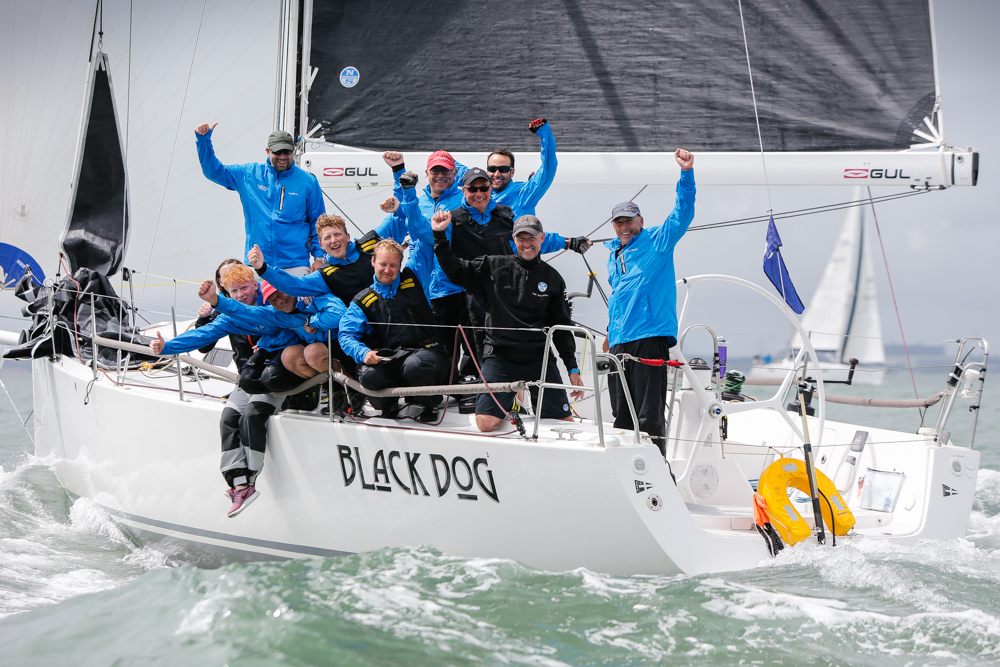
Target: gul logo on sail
column 400, row 471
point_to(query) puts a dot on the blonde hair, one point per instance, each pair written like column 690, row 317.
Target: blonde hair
column 327, row 220
column 387, row 245
column 237, row 275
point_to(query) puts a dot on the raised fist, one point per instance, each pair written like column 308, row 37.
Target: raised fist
column 390, row 205
column 408, row 180
column 205, row 310
column 255, row 257
column 440, row 221
column 204, row 128
column 392, row 158
column 684, row 158
column 206, row 291
column 537, row 123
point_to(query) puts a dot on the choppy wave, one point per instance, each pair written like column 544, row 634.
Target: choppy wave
column 849, row 605
column 52, row 549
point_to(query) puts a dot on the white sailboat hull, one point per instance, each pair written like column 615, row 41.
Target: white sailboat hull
column 151, row 460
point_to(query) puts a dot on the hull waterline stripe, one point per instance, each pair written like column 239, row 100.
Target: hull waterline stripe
column 224, row 537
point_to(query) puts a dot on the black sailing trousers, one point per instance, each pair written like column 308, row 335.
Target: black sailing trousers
column 647, row 386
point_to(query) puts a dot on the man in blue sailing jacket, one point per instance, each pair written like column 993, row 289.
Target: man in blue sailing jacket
column 522, row 196
column 642, row 309
column 281, row 202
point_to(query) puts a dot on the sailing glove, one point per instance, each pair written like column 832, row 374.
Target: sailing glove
column 537, row 123
column 579, row 244
column 408, row 180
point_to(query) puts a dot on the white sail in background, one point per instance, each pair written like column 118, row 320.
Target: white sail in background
column 842, row 317
column 864, row 338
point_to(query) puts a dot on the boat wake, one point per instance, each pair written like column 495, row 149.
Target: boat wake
column 52, row 549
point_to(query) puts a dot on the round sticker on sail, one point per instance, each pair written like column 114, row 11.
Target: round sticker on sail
column 349, row 77
column 542, row 287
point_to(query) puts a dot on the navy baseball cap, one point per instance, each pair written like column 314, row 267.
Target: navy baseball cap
column 472, row 174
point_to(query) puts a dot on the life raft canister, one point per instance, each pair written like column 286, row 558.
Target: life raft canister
column 773, row 486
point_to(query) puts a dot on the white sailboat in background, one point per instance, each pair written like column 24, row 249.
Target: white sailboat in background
column 842, row 318
column 144, row 445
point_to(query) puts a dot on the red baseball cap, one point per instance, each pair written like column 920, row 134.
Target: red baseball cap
column 267, row 289
column 441, row 159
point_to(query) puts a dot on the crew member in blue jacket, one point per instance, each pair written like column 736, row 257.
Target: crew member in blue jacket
column 281, row 202
column 244, row 418
column 642, row 309
column 389, row 328
column 522, row 196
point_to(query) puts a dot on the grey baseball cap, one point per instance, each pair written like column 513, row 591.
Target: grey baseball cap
column 280, row 141
column 626, row 209
column 527, row 223
column 472, row 174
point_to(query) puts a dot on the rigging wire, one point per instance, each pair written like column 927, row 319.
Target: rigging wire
column 170, row 162
column 763, row 161
column 343, row 212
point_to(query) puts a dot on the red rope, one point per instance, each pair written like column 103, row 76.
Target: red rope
column 486, row 384
column 885, row 260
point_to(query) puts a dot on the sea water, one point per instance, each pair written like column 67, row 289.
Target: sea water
column 75, row 589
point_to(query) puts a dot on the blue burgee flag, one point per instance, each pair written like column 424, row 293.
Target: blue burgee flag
column 774, row 267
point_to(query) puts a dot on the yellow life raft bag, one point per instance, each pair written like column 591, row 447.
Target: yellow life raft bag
column 773, row 486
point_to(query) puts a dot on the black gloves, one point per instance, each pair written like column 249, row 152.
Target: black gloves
column 579, row 244
column 537, row 123
column 408, row 180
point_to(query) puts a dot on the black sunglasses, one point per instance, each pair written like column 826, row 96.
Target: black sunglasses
column 503, row 170
column 282, row 152
column 480, row 188
column 440, row 170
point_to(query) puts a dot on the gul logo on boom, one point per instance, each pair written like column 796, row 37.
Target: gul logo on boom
column 875, row 173
column 335, row 172
column 402, row 471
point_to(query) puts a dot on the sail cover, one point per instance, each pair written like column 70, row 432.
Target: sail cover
column 622, row 76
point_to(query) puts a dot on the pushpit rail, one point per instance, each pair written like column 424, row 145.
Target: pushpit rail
column 596, row 366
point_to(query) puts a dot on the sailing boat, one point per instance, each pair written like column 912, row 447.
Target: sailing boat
column 842, row 318
column 555, row 496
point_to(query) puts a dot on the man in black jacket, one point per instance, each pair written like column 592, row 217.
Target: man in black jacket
column 523, row 294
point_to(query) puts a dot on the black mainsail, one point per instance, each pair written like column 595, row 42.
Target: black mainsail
column 624, row 77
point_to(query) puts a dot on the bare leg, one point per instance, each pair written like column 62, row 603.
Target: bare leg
column 294, row 359
column 487, row 423
column 318, row 358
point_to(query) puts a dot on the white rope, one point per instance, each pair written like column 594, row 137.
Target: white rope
column 753, row 94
